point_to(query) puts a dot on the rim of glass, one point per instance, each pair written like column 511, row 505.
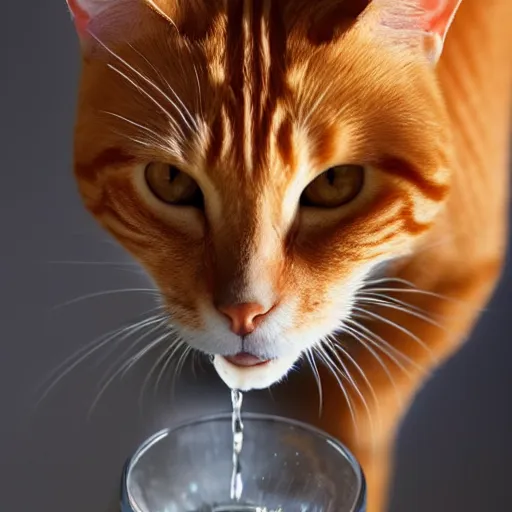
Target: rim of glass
column 127, row 501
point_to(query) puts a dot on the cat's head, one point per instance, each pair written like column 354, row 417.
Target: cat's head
column 261, row 158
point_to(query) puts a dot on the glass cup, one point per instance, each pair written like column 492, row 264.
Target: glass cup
column 287, row 466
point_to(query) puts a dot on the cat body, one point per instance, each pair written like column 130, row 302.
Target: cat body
column 303, row 178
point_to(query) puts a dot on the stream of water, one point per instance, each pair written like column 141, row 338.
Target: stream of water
column 237, row 483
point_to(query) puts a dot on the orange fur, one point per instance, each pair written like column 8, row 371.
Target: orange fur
column 254, row 100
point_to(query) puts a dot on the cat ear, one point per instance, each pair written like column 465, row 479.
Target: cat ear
column 428, row 19
column 83, row 11
column 437, row 17
column 112, row 14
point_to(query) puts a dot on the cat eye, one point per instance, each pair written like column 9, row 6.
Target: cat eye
column 173, row 186
column 335, row 187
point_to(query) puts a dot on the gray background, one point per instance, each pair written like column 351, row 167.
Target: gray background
column 455, row 449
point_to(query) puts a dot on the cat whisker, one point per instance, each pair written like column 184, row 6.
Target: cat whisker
column 158, row 320
column 148, row 81
column 199, row 91
column 173, row 121
column 104, row 294
column 175, row 343
column 94, row 263
column 137, row 357
column 413, row 291
column 167, row 364
column 154, row 327
column 408, row 333
column 198, row 81
column 339, row 377
column 398, row 280
column 343, row 371
column 369, row 413
column 176, row 96
column 387, row 348
column 73, row 361
column 170, row 146
column 123, row 370
column 311, row 360
column 194, row 362
column 136, row 140
column 338, row 347
column 200, row 360
column 158, row 9
column 180, row 364
column 166, row 145
column 368, row 346
column 335, row 347
column 371, row 294
column 313, row 108
column 411, row 288
column 160, row 359
column 157, row 136
column 396, row 307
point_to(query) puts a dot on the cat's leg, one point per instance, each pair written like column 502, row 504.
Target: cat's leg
column 450, row 302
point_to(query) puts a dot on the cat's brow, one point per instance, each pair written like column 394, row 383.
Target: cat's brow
column 406, row 171
column 109, row 158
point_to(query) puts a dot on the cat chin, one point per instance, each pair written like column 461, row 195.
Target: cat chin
column 255, row 377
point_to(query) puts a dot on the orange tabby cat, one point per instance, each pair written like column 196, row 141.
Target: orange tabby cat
column 289, row 171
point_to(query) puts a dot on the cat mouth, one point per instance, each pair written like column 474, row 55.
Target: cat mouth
column 246, row 360
column 245, row 371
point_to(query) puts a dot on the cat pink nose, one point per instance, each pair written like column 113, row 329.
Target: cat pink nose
column 244, row 317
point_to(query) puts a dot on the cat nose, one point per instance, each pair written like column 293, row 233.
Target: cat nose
column 244, row 317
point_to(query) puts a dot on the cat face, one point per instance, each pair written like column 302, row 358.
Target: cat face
column 260, row 159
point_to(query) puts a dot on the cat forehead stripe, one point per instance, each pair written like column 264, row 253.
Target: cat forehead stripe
column 254, row 59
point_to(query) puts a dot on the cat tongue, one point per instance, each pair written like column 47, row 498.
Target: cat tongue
column 245, row 359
